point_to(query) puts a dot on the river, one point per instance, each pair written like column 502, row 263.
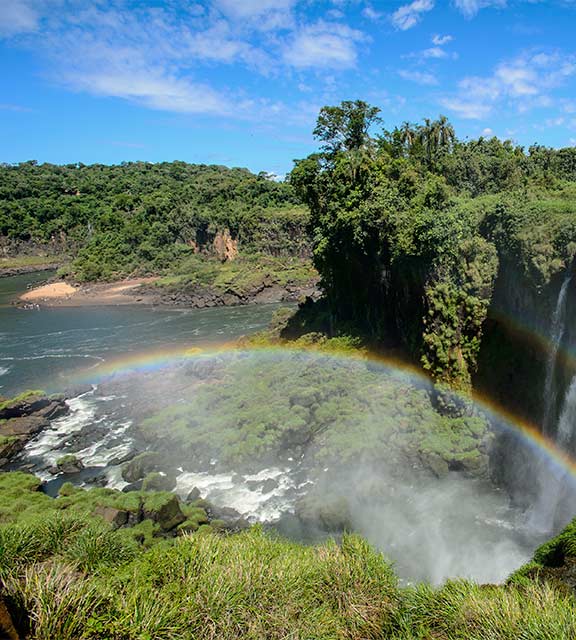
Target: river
column 46, row 348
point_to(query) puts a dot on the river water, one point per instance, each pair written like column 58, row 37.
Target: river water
column 457, row 527
column 47, row 348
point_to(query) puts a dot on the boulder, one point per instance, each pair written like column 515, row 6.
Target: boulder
column 25, row 426
column 69, row 464
column 163, row 508
column 435, row 462
column 9, row 447
column 193, row 495
column 133, row 486
column 56, row 409
column 116, row 517
column 23, row 406
column 158, row 482
column 140, row 466
column 269, row 485
column 330, row 513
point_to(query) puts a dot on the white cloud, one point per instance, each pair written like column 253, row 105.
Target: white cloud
column 434, row 52
column 17, row 16
column 409, row 15
column 371, row 14
column 554, row 122
column 419, row 77
column 155, row 90
column 522, row 83
column 471, row 7
column 15, row 107
column 439, row 40
column 487, row 132
column 466, row 108
column 323, row 45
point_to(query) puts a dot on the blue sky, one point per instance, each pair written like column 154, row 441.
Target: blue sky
column 240, row 82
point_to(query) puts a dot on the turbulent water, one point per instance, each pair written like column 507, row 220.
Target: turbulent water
column 432, row 530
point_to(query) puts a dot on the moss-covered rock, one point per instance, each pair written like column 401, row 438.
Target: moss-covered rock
column 163, row 508
column 69, row 464
column 156, row 481
column 141, row 465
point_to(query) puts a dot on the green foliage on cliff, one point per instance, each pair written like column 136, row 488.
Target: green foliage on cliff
column 410, row 228
column 142, row 217
column 69, row 575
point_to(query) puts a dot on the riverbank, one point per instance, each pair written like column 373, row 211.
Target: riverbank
column 64, row 294
column 203, row 283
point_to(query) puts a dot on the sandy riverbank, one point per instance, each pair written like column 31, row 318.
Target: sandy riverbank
column 62, row 294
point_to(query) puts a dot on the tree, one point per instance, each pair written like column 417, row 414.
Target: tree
column 346, row 127
column 436, row 136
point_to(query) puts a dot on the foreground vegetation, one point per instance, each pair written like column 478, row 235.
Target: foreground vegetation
column 66, row 573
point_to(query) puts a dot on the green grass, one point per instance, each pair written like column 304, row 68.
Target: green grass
column 25, row 395
column 72, row 579
column 67, row 574
column 241, row 276
column 18, row 262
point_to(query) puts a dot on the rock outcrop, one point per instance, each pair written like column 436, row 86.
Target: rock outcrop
column 21, row 418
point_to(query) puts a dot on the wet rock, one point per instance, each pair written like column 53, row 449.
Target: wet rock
column 158, row 482
column 19, row 407
column 223, row 513
column 140, row 466
column 78, row 390
column 193, row 495
column 9, row 447
column 330, row 513
column 69, row 464
column 133, row 486
column 56, row 409
column 23, row 426
column 269, row 485
column 435, row 463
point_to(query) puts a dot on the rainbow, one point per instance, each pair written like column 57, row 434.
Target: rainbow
column 151, row 361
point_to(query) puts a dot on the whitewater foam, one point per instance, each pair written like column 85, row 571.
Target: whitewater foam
column 229, row 490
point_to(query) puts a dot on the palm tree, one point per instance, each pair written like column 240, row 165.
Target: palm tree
column 407, row 134
column 446, row 135
column 437, row 135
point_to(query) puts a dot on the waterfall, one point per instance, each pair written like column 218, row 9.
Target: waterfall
column 556, row 335
column 547, row 510
column 567, row 420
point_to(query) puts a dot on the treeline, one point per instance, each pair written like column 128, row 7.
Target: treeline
column 139, row 217
column 410, row 227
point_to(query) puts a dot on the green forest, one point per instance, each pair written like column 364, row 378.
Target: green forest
column 409, row 228
column 142, row 218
